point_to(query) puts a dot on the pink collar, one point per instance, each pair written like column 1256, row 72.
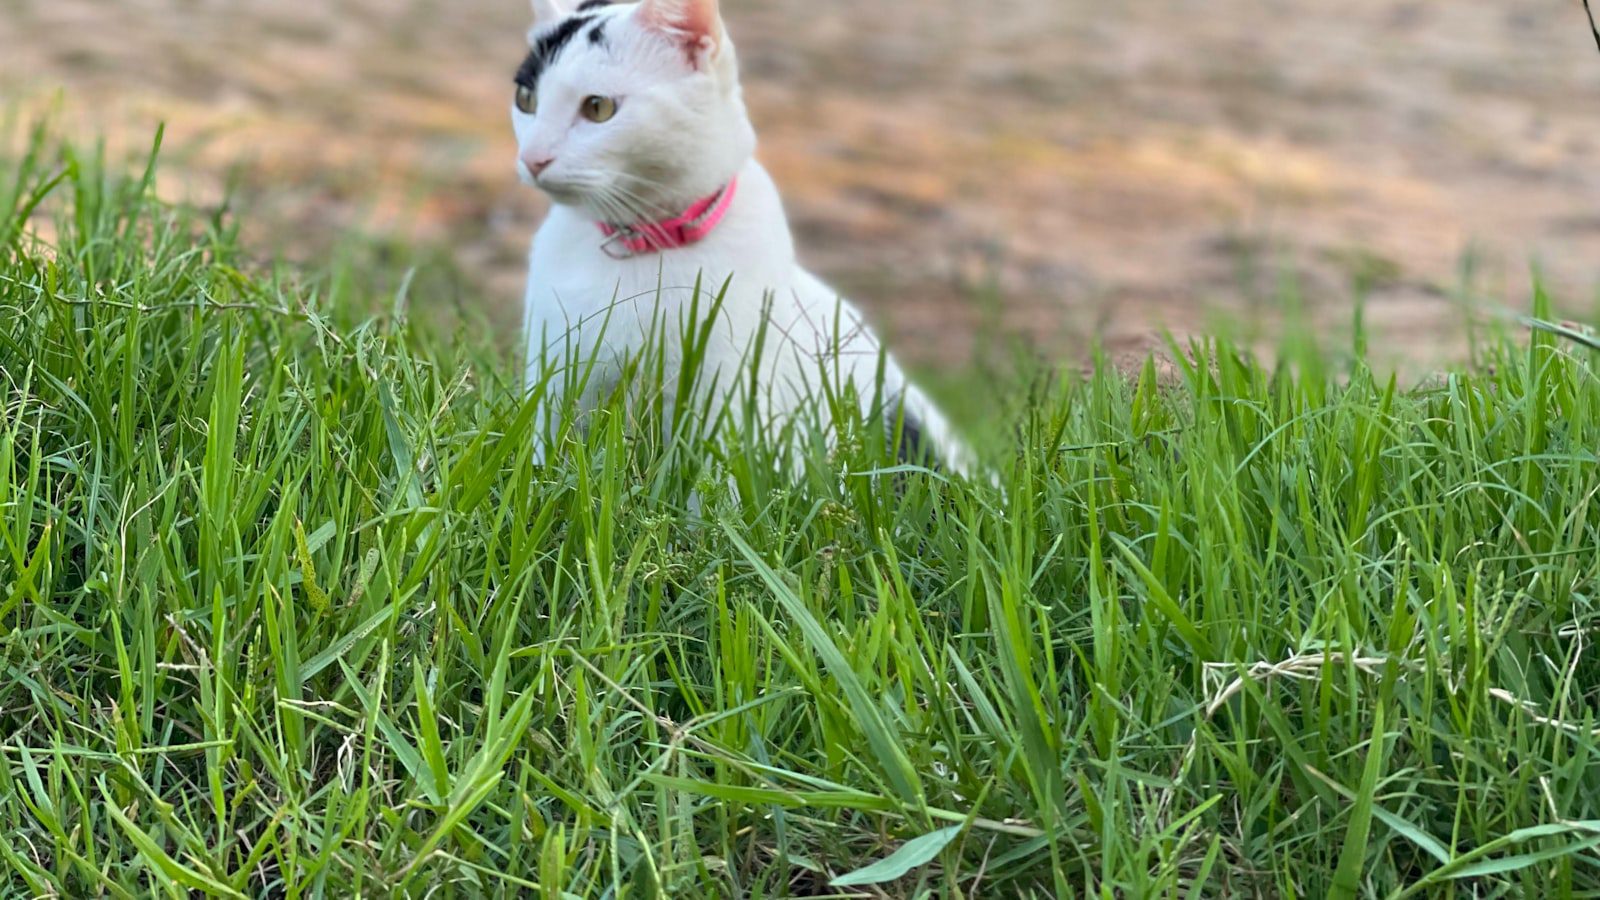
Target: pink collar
column 694, row 226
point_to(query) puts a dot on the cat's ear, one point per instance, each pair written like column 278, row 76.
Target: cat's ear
column 547, row 11
column 697, row 24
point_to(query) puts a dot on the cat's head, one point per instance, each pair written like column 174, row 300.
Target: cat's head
column 631, row 111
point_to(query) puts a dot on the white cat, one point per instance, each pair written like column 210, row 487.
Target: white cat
column 631, row 119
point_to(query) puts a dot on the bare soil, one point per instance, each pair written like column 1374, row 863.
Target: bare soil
column 1050, row 169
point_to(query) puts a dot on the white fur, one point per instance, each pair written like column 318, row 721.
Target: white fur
column 680, row 133
column 546, row 11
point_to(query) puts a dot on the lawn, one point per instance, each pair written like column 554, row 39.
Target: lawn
column 287, row 608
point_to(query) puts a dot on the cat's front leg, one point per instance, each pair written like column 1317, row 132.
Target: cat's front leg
column 545, row 387
column 572, row 365
column 563, row 382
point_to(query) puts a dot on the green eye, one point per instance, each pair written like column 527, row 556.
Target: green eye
column 599, row 109
column 527, row 100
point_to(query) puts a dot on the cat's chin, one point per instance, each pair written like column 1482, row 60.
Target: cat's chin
column 563, row 195
column 579, row 200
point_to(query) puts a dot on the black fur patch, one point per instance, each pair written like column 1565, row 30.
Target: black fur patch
column 597, row 34
column 913, row 446
column 587, row 5
column 548, row 47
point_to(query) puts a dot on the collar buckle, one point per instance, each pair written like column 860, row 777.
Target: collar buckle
column 619, row 243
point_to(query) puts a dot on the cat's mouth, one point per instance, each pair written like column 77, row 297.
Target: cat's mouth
column 560, row 190
column 592, row 194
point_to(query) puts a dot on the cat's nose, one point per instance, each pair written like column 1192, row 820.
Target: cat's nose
column 536, row 164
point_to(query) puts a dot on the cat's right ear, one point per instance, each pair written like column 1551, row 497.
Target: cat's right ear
column 547, row 11
column 696, row 24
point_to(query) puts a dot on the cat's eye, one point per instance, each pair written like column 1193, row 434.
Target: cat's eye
column 527, row 100
column 599, row 109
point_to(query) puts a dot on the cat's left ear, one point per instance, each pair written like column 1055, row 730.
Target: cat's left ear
column 547, row 11
column 697, row 24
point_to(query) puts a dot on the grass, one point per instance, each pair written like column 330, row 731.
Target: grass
column 288, row 609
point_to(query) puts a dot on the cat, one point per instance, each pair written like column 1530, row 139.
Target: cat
column 630, row 118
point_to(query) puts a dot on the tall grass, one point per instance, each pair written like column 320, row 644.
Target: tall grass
column 287, row 608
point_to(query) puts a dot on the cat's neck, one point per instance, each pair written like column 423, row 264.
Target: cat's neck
column 754, row 226
column 653, row 235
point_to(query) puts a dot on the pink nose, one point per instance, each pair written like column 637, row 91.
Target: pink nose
column 537, row 166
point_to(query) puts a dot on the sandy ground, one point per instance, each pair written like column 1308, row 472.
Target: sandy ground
column 1050, row 169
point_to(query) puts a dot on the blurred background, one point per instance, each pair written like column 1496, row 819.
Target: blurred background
column 1051, row 171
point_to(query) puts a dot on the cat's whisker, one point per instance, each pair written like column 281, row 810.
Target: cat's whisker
column 595, row 186
column 625, row 214
column 619, row 212
column 629, row 201
column 637, row 218
column 640, row 183
column 640, row 202
column 644, row 184
column 622, row 210
column 639, row 179
column 615, row 213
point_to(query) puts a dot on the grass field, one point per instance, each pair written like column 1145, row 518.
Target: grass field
column 287, row 609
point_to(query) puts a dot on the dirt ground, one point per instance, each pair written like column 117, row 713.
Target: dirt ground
column 1051, row 169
